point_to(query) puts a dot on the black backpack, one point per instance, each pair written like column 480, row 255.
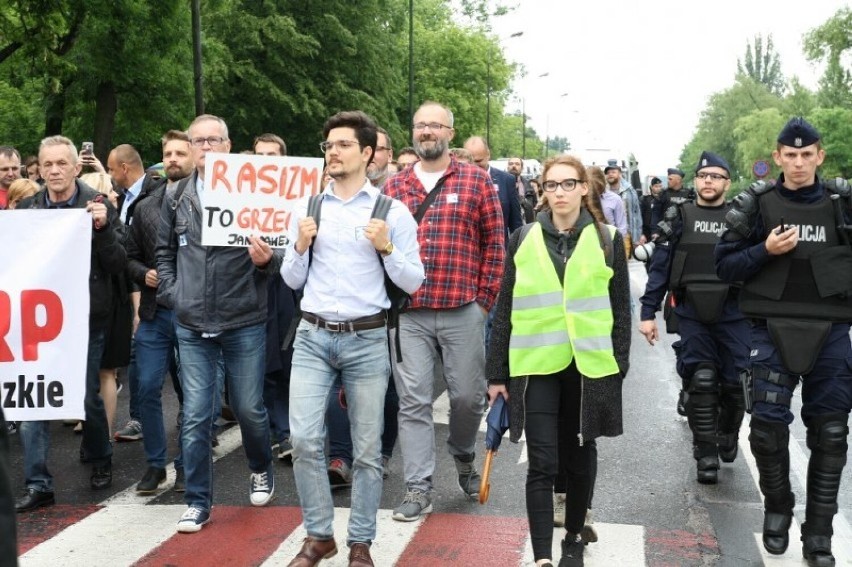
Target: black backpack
column 399, row 299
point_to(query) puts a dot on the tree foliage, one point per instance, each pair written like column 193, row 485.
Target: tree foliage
column 116, row 71
column 828, row 43
column 763, row 64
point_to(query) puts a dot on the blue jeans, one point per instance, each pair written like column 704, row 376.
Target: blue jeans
column 360, row 359
column 96, row 448
column 155, row 353
column 244, row 352
column 133, row 383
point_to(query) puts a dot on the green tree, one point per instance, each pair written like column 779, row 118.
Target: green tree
column 755, row 135
column 718, row 121
column 828, row 43
column 835, row 127
column 763, row 64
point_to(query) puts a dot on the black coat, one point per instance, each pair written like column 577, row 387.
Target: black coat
column 601, row 396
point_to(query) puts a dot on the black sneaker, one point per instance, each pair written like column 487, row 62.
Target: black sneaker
column 34, row 499
column 101, row 476
column 572, row 551
column 180, row 480
column 285, row 450
column 152, row 479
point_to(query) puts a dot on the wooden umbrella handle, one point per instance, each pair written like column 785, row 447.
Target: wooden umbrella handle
column 484, row 485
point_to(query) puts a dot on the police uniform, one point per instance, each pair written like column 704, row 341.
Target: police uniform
column 801, row 306
column 669, row 197
column 713, row 349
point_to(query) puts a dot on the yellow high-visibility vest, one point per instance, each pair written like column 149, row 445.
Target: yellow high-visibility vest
column 556, row 322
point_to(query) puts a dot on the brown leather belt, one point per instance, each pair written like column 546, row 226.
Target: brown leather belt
column 360, row 324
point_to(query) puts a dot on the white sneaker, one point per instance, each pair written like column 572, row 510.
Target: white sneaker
column 262, row 488
column 558, row 509
column 192, row 520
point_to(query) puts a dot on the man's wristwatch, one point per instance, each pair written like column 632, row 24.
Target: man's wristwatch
column 387, row 249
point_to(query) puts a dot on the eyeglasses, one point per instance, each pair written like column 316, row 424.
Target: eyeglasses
column 431, row 125
column 713, row 176
column 212, row 140
column 340, row 144
column 383, row 149
column 567, row 185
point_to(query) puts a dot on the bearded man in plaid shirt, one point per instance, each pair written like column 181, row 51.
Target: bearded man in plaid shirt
column 461, row 238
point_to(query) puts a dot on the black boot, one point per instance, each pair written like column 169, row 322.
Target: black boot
column 770, row 447
column 731, row 412
column 572, row 551
column 827, row 442
column 702, row 410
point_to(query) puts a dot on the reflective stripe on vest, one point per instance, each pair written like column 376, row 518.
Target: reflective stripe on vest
column 554, row 323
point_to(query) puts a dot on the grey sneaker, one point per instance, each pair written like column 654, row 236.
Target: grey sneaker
column 589, row 534
column 339, row 473
column 558, row 509
column 130, row 432
column 414, row 505
column 469, row 478
column 262, row 488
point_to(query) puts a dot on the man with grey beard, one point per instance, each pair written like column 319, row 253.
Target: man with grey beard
column 377, row 171
column 462, row 246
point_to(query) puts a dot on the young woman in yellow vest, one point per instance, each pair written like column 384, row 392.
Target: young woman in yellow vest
column 560, row 346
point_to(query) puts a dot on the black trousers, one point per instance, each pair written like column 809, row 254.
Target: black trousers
column 8, row 547
column 553, row 413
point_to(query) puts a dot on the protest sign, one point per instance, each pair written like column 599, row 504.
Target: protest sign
column 247, row 195
column 44, row 313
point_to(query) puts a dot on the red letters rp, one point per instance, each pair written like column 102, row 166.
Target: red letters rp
column 32, row 334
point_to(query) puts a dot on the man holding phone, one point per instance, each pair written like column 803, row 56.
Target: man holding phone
column 797, row 292
column 10, row 170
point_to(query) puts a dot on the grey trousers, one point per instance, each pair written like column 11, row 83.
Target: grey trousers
column 457, row 335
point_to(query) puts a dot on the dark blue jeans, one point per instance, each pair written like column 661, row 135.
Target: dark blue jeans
column 244, row 352
column 155, row 354
column 276, row 398
column 96, row 448
column 339, row 437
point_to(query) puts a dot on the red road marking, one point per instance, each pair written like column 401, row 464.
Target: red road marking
column 236, row 535
column 456, row 539
column 42, row 524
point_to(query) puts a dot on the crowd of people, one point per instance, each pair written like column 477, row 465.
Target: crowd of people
column 510, row 287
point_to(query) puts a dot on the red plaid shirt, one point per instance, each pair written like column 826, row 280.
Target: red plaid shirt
column 461, row 237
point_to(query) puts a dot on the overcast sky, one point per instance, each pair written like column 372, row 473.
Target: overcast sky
column 636, row 74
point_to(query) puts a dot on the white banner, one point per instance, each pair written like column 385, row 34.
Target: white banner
column 247, row 195
column 44, row 313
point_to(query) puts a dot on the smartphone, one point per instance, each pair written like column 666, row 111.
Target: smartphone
column 781, row 228
column 88, row 148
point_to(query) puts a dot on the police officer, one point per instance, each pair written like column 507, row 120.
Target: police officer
column 713, row 349
column 786, row 244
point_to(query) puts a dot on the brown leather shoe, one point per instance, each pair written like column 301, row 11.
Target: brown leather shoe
column 313, row 551
column 359, row 555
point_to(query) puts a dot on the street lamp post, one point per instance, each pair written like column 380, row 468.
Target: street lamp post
column 488, row 90
column 524, row 121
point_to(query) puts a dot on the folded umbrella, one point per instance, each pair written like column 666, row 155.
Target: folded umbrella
column 497, row 423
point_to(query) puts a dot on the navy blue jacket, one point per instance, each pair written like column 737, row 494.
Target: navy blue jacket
column 508, row 193
column 741, row 259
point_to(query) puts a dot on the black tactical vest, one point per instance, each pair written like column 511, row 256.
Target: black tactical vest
column 814, row 280
column 693, row 267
